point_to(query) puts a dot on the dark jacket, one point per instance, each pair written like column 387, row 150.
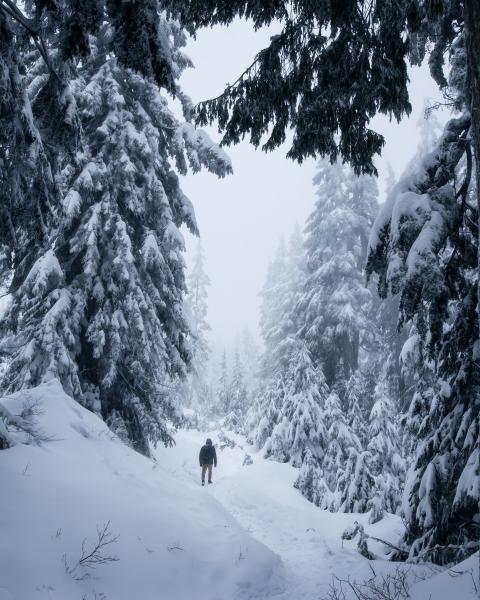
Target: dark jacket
column 208, row 455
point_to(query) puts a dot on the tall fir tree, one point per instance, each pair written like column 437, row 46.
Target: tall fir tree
column 384, row 446
column 355, row 483
column 424, row 246
column 102, row 307
column 223, row 388
column 301, row 413
column 278, row 325
column 273, row 295
column 265, row 414
column 238, row 399
column 197, row 385
column 311, row 481
column 336, row 304
column 355, row 402
column 249, row 351
column 340, row 439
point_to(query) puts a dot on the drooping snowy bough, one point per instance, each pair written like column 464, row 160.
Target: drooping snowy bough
column 98, row 303
column 424, row 246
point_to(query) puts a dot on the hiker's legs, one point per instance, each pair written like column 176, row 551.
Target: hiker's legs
column 204, row 470
column 209, row 473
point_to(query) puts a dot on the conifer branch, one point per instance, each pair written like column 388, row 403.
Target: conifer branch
column 8, row 7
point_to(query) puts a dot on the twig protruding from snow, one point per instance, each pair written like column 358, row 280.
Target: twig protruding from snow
column 390, row 586
column 93, row 557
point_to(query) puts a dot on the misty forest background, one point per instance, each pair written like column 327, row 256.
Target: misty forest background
column 366, row 377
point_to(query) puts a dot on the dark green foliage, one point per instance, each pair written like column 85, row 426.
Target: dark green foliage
column 332, row 66
column 329, row 70
column 91, row 206
column 84, row 17
column 335, row 306
column 138, row 41
column 425, row 248
column 26, row 185
column 71, row 21
column 31, row 145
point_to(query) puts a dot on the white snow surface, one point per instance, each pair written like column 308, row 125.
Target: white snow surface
column 249, row 536
column 175, row 540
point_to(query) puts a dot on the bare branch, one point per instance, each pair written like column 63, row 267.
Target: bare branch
column 95, row 556
column 390, row 586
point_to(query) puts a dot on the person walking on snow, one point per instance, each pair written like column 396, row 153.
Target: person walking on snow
column 207, row 458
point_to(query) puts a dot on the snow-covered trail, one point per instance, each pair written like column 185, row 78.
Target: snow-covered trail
column 262, row 499
column 250, row 536
column 167, row 538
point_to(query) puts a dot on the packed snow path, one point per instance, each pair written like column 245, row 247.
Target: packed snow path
column 249, row 536
column 261, row 497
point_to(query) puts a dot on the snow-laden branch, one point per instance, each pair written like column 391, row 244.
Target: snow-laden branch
column 357, row 529
column 31, row 27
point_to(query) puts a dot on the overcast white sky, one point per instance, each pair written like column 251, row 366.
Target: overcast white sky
column 242, row 217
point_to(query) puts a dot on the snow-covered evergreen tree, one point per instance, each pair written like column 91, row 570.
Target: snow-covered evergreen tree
column 301, row 414
column 311, row 482
column 197, row 386
column 295, row 274
column 265, row 413
column 249, row 352
column 249, row 356
column 336, row 303
column 271, row 309
column 425, row 246
column 383, row 436
column 387, row 464
column 355, row 402
column 238, row 401
column 280, row 295
column 278, row 324
column 222, row 402
column 346, row 466
column 355, row 483
column 102, row 307
column 340, row 439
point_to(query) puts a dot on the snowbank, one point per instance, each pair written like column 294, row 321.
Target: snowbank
column 174, row 541
column 261, row 497
column 250, row 536
column 458, row 583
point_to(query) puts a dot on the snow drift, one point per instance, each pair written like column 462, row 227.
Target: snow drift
column 174, row 539
column 251, row 537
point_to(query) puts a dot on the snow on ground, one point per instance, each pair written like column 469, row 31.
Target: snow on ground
column 249, row 536
column 461, row 582
column 263, row 500
column 174, row 542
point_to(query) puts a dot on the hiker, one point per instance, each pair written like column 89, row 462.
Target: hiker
column 207, row 457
